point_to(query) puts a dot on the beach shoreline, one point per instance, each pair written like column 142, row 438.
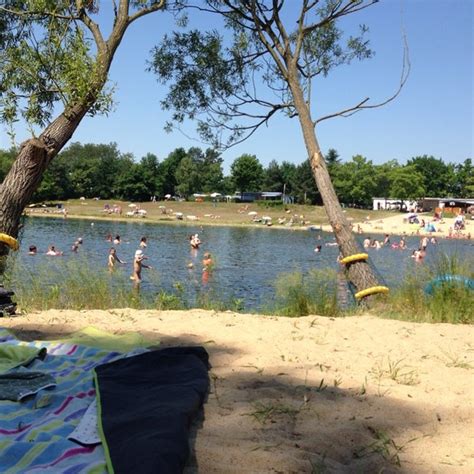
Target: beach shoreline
column 356, row 394
column 391, row 225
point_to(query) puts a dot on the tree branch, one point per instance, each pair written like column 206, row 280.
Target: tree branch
column 145, row 11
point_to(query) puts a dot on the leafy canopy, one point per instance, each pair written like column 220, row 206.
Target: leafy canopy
column 217, row 81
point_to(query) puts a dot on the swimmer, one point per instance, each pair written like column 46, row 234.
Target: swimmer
column 53, row 252
column 117, row 240
column 32, row 250
column 318, row 248
column 195, row 241
column 143, row 243
column 138, row 265
column 113, row 259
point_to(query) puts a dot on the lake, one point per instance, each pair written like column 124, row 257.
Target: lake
column 247, row 260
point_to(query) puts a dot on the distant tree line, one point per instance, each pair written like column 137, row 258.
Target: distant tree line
column 101, row 170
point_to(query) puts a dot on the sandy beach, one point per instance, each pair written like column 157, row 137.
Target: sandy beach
column 312, row 394
column 398, row 225
column 195, row 214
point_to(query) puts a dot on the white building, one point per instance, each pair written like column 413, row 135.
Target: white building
column 392, row 204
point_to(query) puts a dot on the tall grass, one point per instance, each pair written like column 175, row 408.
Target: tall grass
column 72, row 285
column 298, row 295
column 448, row 301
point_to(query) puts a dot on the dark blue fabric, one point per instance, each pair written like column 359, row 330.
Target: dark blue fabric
column 147, row 405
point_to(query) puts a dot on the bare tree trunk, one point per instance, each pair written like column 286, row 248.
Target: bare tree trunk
column 29, row 166
column 359, row 273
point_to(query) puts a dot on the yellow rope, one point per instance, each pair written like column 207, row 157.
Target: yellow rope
column 355, row 258
column 10, row 241
column 371, row 291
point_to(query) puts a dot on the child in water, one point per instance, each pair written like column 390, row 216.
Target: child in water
column 138, row 265
column 113, row 259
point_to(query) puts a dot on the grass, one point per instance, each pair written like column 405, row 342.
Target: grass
column 448, row 302
column 298, row 295
column 70, row 284
column 396, row 371
column 221, row 214
column 269, row 411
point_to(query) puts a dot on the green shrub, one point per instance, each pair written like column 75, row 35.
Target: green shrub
column 315, row 293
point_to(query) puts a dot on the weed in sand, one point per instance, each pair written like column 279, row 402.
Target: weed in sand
column 456, row 360
column 268, row 411
column 395, row 371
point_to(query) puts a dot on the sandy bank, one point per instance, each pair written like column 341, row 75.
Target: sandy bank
column 300, row 395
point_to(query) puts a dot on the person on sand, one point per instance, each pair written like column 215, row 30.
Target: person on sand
column 137, row 266
column 113, row 259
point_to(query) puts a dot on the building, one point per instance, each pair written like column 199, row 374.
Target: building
column 393, row 204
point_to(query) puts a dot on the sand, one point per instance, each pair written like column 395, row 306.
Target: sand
column 312, row 394
column 398, row 225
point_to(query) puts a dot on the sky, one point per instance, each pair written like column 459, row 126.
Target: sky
column 433, row 114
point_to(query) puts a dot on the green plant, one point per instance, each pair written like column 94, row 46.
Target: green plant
column 315, row 293
column 426, row 295
column 268, row 411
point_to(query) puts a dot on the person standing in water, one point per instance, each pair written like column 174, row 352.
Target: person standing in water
column 137, row 267
column 113, row 259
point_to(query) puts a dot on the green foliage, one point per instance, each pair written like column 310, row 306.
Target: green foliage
column 210, row 80
column 247, row 173
column 48, row 58
column 450, row 302
column 315, row 293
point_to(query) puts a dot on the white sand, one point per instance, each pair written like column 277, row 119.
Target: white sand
column 300, row 395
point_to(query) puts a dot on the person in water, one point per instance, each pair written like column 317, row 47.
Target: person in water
column 195, row 241
column 117, row 240
column 53, row 252
column 137, row 266
column 143, row 243
column 32, row 250
column 208, row 265
column 113, row 259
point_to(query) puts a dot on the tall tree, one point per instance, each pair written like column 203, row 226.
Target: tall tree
column 54, row 57
column 270, row 49
column 437, row 177
column 247, row 173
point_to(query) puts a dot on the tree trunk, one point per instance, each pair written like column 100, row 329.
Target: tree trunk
column 359, row 273
column 29, row 166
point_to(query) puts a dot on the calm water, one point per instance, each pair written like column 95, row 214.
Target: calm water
column 247, row 260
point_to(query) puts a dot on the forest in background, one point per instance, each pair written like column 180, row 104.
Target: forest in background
column 103, row 171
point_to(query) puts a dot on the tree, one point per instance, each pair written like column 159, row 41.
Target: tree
column 247, row 173
column 273, row 179
column 53, row 55
column 167, row 171
column 187, row 177
column 464, row 181
column 268, row 48
column 437, row 178
column 407, row 183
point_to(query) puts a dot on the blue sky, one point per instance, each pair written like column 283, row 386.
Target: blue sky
column 433, row 115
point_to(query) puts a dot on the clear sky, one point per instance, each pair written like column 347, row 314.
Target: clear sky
column 433, row 115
